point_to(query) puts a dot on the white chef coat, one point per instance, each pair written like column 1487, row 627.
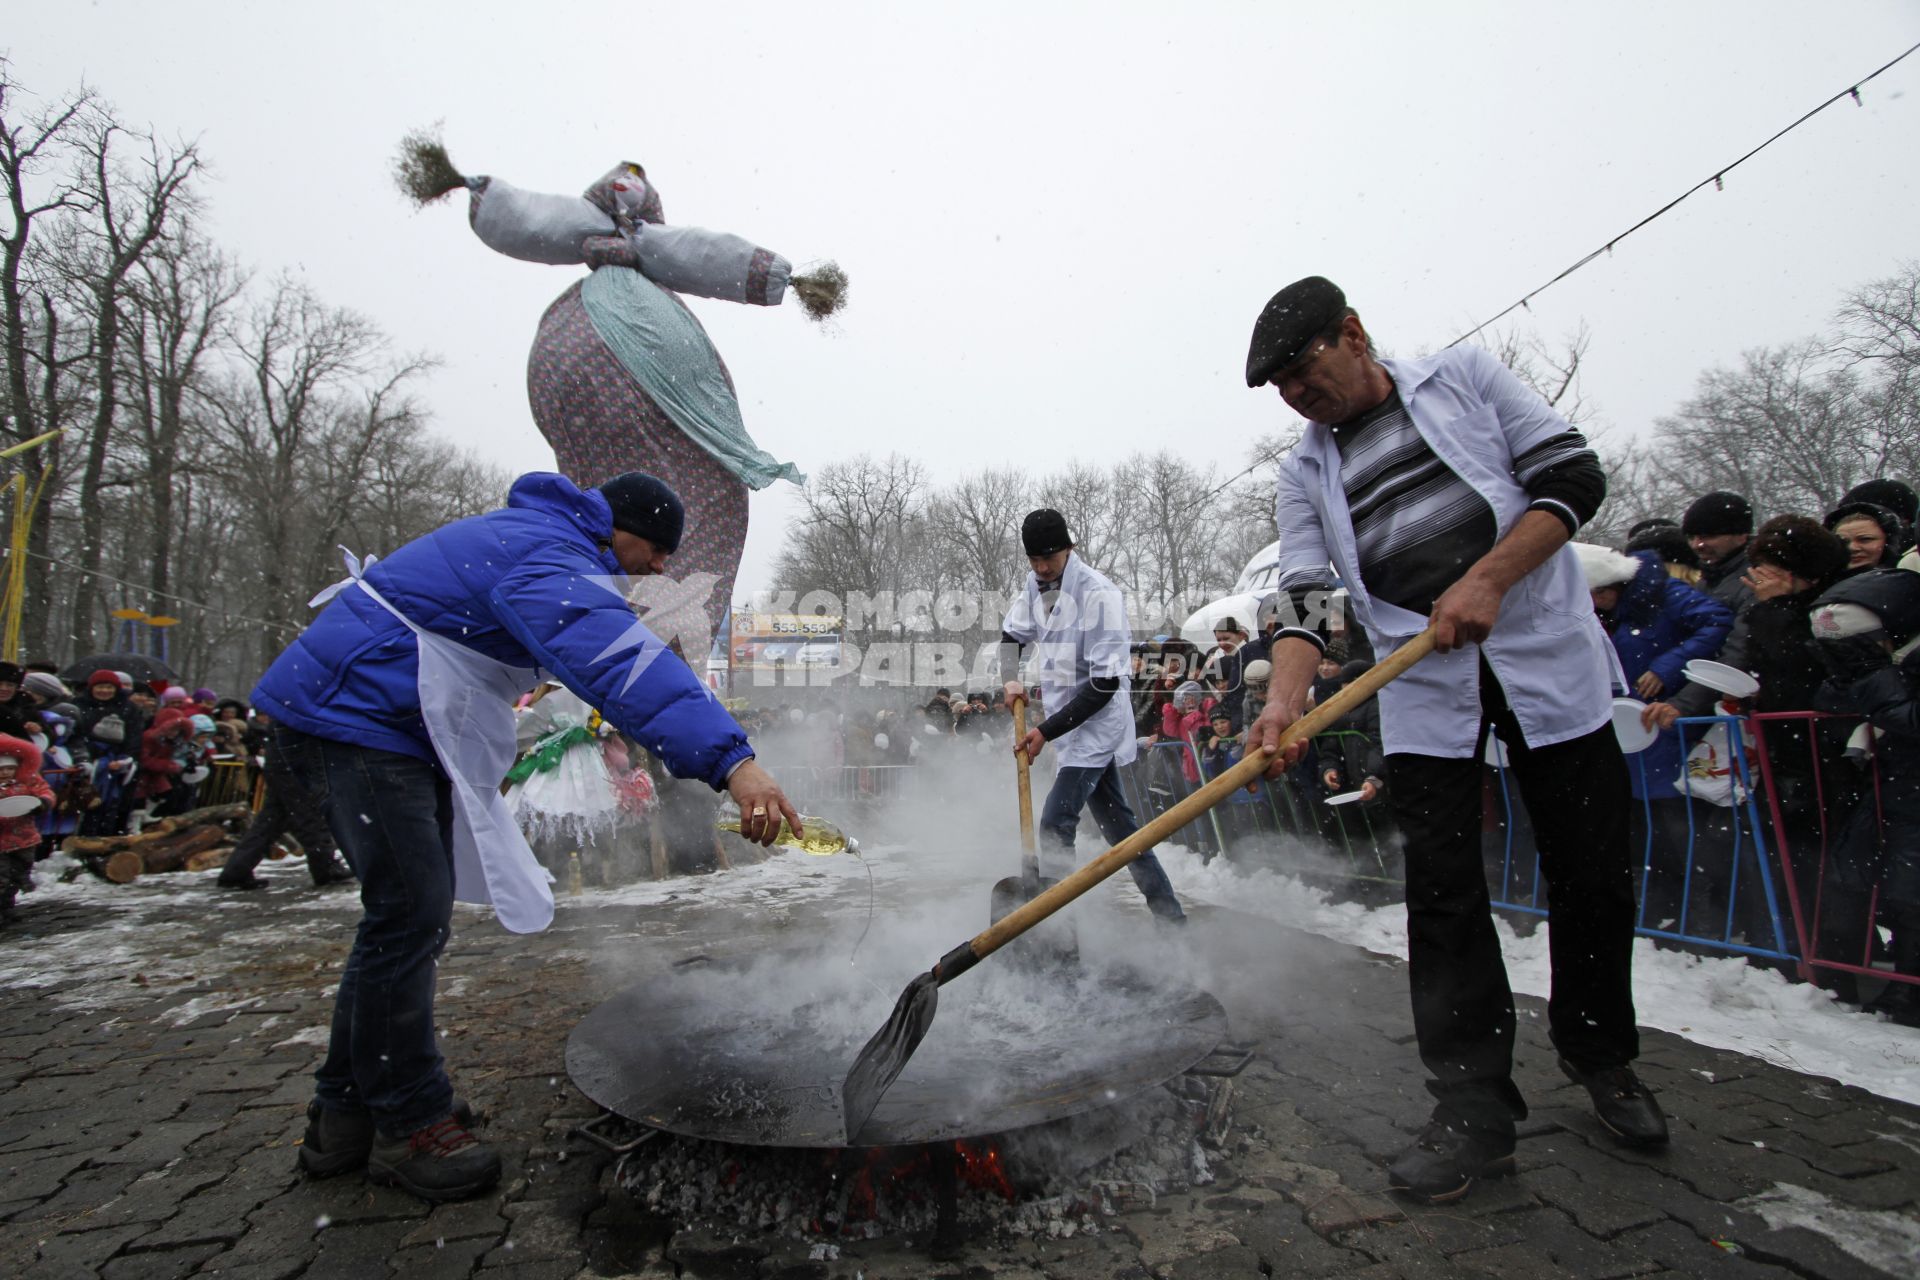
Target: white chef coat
column 1084, row 636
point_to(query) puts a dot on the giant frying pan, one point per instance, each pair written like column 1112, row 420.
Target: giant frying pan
column 705, row 1050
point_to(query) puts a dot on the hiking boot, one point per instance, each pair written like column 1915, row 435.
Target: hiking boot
column 339, row 1142
column 1622, row 1105
column 439, row 1161
column 1443, row 1163
column 248, row 881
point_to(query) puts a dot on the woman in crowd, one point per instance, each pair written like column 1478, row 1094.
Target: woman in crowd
column 1793, row 559
column 1875, row 537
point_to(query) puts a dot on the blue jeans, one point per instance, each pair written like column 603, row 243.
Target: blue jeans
column 392, row 816
column 1076, row 787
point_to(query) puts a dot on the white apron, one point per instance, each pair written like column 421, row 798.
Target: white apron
column 466, row 699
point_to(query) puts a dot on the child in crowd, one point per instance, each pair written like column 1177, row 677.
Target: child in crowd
column 1221, row 745
column 19, row 832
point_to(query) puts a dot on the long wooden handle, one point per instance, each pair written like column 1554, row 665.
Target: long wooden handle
column 1021, row 769
column 1249, row 768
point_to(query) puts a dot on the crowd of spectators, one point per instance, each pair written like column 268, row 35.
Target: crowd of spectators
column 104, row 755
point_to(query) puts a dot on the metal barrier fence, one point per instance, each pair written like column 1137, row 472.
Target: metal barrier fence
column 1722, row 865
column 232, row 782
column 1835, row 900
column 1751, row 873
column 1359, row 838
column 872, row 784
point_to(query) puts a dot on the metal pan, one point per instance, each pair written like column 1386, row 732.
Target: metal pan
column 697, row 1051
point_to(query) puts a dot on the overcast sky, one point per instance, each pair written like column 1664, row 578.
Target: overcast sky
column 1059, row 220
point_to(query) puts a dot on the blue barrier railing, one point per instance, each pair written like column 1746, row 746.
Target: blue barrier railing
column 1746, row 855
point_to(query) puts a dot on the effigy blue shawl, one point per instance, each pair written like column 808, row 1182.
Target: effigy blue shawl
column 662, row 345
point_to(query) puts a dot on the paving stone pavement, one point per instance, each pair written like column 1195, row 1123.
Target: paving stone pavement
column 155, row 1088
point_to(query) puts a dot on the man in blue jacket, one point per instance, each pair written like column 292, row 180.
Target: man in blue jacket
column 392, row 705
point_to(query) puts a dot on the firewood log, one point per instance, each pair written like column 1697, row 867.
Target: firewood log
column 171, row 854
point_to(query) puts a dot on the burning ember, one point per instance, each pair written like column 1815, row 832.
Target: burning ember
column 1055, row 1180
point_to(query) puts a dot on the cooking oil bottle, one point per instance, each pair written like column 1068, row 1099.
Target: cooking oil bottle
column 817, row 836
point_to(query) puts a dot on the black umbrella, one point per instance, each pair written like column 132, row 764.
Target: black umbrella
column 142, row 667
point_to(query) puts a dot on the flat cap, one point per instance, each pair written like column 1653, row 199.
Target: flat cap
column 1292, row 318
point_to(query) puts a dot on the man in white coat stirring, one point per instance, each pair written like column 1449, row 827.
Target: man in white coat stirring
column 1444, row 490
column 1076, row 622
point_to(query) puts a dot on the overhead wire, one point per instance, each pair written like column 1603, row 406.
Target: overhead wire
column 1717, row 178
column 202, row 606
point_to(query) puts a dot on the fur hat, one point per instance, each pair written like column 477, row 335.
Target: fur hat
column 1894, row 495
column 1604, row 566
column 1802, row 546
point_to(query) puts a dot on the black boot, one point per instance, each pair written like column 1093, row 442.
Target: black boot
column 1444, row 1162
column 1622, row 1104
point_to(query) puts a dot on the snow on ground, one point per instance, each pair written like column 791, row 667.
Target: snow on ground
column 1721, row 1001
column 1879, row 1238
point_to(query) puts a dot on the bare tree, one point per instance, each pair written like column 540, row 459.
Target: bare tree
column 134, row 202
column 863, row 530
column 317, row 396
column 178, row 301
column 39, row 359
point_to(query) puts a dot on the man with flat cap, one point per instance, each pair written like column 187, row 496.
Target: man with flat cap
column 1075, row 621
column 1443, row 491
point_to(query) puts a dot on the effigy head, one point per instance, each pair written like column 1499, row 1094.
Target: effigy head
column 626, row 196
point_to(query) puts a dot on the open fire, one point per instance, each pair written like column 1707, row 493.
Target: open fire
column 1057, row 1179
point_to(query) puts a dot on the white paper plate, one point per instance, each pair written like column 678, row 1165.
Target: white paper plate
column 1346, row 797
column 1627, row 727
column 18, row 806
column 1731, row 681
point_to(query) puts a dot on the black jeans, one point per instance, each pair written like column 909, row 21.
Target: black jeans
column 287, row 807
column 1577, row 796
column 393, row 818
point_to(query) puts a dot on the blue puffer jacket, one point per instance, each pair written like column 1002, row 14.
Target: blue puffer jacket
column 523, row 586
column 1660, row 625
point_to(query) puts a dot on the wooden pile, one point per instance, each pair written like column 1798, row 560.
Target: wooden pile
column 198, row 840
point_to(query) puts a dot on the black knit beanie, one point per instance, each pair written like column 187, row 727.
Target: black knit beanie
column 1044, row 532
column 645, row 507
column 1716, row 515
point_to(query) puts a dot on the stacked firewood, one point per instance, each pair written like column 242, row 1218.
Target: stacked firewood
column 198, row 840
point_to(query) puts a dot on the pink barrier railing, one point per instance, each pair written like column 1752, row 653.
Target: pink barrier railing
column 1824, row 914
